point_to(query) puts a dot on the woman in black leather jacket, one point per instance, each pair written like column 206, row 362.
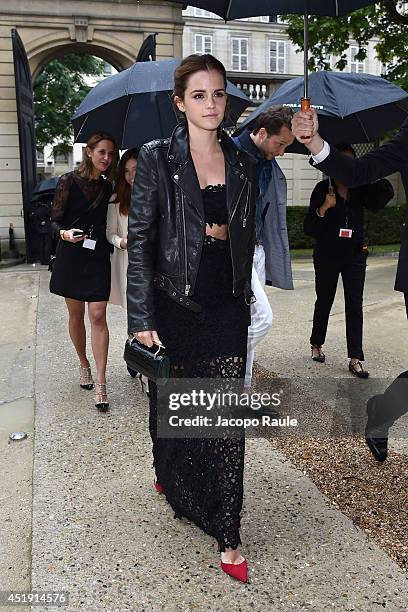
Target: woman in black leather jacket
column 190, row 244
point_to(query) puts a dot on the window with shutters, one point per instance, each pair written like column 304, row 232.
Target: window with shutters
column 202, row 43
column 239, row 54
column 355, row 64
column 277, row 56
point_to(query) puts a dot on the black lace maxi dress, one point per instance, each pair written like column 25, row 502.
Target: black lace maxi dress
column 203, row 478
column 80, row 273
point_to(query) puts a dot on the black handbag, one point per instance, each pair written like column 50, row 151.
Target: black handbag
column 151, row 362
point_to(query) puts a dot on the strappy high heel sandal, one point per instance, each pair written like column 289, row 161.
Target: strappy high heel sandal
column 85, row 378
column 320, row 357
column 101, row 398
column 357, row 369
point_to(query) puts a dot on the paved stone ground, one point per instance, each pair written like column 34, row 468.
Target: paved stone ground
column 99, row 530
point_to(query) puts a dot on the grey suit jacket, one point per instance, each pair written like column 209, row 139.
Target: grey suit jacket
column 278, row 266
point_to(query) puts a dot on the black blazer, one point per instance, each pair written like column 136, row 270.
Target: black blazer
column 391, row 157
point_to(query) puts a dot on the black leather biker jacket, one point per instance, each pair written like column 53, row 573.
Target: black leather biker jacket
column 167, row 228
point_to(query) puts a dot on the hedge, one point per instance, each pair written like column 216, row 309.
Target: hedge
column 381, row 228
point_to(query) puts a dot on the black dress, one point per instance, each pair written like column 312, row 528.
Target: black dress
column 80, row 273
column 203, row 478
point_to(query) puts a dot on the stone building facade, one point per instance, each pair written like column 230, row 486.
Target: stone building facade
column 112, row 30
column 256, row 52
column 259, row 57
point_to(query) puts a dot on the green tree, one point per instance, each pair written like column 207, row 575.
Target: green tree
column 386, row 21
column 58, row 91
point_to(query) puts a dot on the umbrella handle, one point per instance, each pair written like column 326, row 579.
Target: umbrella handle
column 304, row 106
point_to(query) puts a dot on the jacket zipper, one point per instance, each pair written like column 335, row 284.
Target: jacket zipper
column 239, row 197
column 229, row 223
column 187, row 286
column 244, row 220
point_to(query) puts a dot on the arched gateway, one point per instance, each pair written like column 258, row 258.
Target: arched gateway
column 33, row 33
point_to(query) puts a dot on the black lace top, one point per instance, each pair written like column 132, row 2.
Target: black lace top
column 90, row 189
column 214, row 279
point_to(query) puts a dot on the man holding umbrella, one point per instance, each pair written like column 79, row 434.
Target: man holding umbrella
column 269, row 137
column 391, row 157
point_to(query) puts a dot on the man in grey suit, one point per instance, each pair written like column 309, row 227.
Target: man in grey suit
column 270, row 136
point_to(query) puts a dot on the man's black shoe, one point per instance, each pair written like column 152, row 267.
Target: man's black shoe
column 378, row 448
column 377, row 445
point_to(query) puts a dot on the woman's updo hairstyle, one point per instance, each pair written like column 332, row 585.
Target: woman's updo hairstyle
column 192, row 64
column 189, row 66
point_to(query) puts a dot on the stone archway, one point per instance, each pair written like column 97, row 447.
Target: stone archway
column 110, row 29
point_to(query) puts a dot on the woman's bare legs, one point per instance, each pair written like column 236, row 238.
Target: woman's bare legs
column 99, row 338
column 76, row 326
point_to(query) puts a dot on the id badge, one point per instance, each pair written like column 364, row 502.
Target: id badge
column 88, row 243
column 345, row 232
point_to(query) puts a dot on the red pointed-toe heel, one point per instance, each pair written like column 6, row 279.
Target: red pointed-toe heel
column 158, row 487
column 239, row 571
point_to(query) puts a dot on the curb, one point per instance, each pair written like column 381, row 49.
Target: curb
column 10, row 263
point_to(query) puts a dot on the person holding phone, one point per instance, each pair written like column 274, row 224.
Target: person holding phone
column 190, row 244
column 336, row 220
column 81, row 271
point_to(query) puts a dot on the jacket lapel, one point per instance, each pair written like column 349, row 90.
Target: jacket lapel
column 186, row 178
column 183, row 170
column 235, row 175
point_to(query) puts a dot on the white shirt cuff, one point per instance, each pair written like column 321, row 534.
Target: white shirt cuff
column 325, row 152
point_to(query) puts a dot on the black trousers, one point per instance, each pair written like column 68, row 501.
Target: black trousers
column 327, row 270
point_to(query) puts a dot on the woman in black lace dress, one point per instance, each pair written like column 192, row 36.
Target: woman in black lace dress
column 81, row 271
column 190, row 245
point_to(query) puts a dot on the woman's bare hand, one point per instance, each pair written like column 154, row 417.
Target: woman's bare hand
column 148, row 338
column 330, row 200
column 68, row 235
column 123, row 243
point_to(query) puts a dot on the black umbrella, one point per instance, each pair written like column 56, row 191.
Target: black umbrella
column 45, row 188
column 135, row 105
column 352, row 108
column 238, row 9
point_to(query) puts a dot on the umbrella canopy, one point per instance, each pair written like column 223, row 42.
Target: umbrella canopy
column 135, row 105
column 238, row 9
column 45, row 188
column 352, row 108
